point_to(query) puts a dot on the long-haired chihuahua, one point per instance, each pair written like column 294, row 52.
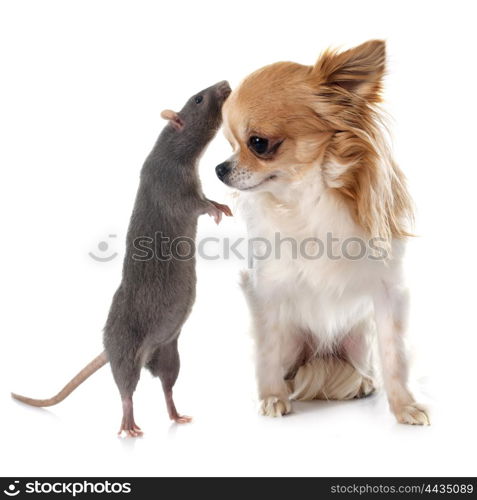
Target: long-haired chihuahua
column 330, row 213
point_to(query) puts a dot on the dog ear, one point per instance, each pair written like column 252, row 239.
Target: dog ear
column 358, row 70
column 174, row 118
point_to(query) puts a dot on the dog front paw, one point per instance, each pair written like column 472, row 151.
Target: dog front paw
column 413, row 414
column 273, row 406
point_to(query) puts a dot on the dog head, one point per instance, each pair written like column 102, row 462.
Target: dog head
column 287, row 119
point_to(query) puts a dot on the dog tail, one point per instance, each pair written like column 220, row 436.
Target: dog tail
column 86, row 372
column 329, row 378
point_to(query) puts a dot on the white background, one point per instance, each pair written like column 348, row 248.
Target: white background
column 82, row 86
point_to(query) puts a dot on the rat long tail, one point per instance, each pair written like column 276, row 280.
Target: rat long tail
column 86, row 372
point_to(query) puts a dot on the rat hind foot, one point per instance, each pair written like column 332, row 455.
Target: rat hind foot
column 171, row 409
column 130, row 431
column 128, row 425
column 165, row 364
column 181, row 419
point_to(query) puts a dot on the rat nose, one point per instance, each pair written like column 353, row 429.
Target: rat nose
column 223, row 89
column 222, row 170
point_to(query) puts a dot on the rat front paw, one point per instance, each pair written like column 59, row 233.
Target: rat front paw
column 216, row 210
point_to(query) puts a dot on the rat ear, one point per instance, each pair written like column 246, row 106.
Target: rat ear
column 358, row 70
column 174, row 118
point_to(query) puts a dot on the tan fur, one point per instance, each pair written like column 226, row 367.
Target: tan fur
column 329, row 378
column 327, row 113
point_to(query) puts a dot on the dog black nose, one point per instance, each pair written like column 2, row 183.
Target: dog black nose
column 222, row 170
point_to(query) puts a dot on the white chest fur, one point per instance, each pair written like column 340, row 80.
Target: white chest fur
column 314, row 270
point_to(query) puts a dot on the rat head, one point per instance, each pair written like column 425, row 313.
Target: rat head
column 200, row 118
column 287, row 119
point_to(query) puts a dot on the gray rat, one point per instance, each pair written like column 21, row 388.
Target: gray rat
column 157, row 290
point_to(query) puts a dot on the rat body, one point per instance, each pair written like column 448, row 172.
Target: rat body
column 158, row 284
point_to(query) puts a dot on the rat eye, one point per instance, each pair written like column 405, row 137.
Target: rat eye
column 258, row 144
column 198, row 99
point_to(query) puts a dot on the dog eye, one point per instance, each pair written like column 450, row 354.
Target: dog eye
column 198, row 99
column 258, row 144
